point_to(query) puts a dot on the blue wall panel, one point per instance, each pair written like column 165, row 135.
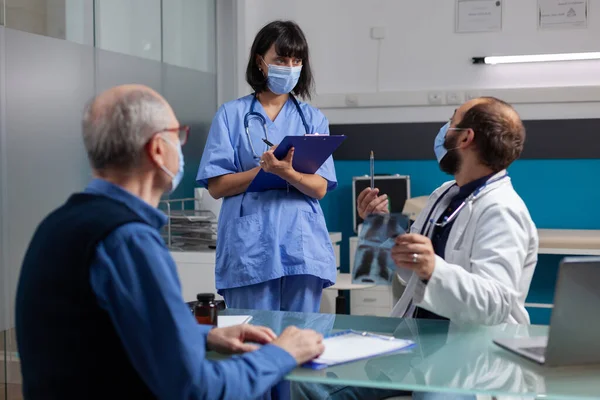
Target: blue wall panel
column 560, row 194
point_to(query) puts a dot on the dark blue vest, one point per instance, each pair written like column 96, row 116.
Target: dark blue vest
column 68, row 346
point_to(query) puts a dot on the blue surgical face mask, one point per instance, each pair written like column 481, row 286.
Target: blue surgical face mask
column 175, row 178
column 282, row 80
column 438, row 144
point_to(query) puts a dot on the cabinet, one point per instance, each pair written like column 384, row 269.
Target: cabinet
column 196, row 270
column 377, row 301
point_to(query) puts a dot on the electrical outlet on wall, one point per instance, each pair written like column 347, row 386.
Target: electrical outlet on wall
column 454, row 97
column 351, row 100
column 470, row 95
column 435, row 98
column 378, row 32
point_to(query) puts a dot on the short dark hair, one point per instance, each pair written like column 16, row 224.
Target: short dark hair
column 289, row 41
column 499, row 132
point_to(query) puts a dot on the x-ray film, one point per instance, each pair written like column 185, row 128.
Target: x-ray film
column 373, row 261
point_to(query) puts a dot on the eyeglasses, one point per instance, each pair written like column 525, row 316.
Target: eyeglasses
column 182, row 131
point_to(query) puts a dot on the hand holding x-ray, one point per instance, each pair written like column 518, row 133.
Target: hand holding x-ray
column 373, row 262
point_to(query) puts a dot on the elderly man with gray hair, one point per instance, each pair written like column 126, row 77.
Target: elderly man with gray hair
column 99, row 308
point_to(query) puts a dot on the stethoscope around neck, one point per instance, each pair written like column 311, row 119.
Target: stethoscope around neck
column 253, row 114
column 429, row 222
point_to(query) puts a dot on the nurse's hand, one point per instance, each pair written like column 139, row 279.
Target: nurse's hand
column 369, row 202
column 415, row 252
column 302, row 344
column 282, row 168
column 232, row 340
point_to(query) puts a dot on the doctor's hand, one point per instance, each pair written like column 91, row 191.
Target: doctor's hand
column 415, row 252
column 269, row 163
column 369, row 203
column 232, row 340
column 302, row 344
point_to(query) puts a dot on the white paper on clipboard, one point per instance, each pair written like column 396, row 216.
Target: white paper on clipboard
column 349, row 346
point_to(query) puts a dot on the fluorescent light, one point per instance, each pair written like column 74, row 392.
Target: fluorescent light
column 536, row 58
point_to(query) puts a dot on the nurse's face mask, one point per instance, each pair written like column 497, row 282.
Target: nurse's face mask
column 282, row 79
column 445, row 150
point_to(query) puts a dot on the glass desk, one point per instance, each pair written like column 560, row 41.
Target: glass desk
column 447, row 358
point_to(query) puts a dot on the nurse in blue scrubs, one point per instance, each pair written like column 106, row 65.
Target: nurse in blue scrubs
column 273, row 248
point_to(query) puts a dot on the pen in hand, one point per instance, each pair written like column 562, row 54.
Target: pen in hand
column 372, row 162
column 268, row 143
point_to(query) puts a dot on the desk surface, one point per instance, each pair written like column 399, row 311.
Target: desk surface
column 569, row 241
column 448, row 358
column 344, row 282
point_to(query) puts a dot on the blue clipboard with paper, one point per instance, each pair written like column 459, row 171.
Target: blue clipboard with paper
column 350, row 345
column 373, row 261
column 311, row 151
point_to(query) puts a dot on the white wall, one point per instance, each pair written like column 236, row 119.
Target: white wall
column 421, row 53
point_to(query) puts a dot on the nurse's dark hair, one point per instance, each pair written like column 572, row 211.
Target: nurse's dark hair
column 499, row 132
column 289, row 41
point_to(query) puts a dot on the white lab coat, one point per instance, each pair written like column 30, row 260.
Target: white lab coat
column 489, row 260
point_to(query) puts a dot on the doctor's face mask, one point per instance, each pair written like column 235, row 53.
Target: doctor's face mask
column 445, row 150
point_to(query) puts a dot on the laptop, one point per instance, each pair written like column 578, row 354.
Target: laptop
column 574, row 333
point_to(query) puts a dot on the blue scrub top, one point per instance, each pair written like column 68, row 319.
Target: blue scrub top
column 266, row 235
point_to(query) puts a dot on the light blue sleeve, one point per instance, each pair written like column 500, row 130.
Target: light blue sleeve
column 327, row 170
column 218, row 157
column 135, row 280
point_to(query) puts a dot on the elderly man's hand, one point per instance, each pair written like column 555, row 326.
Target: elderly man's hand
column 232, row 340
column 369, row 202
column 415, row 252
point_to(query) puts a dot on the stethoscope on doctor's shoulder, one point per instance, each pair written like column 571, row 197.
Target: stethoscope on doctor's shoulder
column 253, row 114
column 447, row 220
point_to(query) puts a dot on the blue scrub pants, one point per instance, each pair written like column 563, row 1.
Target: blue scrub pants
column 299, row 293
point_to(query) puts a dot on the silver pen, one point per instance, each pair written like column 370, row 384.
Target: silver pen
column 384, row 337
column 372, row 162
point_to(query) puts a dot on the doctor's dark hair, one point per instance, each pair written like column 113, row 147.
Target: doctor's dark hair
column 499, row 132
column 289, row 41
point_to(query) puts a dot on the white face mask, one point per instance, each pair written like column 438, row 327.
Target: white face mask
column 175, row 178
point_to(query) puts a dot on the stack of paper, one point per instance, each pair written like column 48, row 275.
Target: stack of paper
column 223, row 321
column 349, row 346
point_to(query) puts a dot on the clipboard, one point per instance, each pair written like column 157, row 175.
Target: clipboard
column 311, row 152
column 350, row 345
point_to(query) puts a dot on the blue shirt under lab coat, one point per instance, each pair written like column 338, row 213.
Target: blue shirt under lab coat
column 135, row 280
column 267, row 235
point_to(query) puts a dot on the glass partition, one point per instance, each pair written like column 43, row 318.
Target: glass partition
column 61, row 19
column 169, row 45
column 189, row 31
column 130, row 27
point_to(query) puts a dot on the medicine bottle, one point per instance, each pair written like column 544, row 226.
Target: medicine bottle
column 206, row 309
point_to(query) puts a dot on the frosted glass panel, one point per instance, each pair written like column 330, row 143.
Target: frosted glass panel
column 48, row 82
column 61, row 19
column 130, row 27
column 189, row 34
column 114, row 69
column 4, row 297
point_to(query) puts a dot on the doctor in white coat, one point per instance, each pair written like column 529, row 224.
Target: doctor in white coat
column 472, row 251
